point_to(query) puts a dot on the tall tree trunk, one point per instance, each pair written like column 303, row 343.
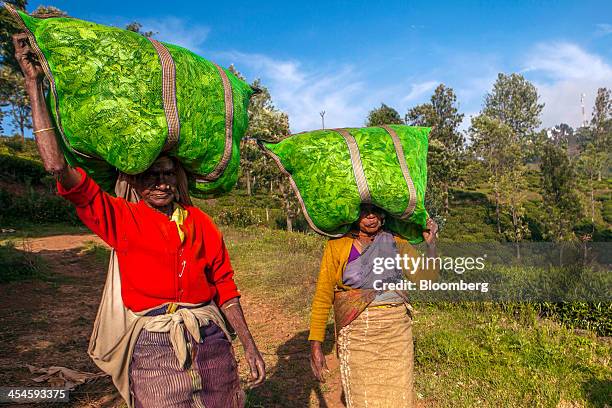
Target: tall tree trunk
column 22, row 132
column 248, row 182
column 495, row 188
column 289, row 223
column 515, row 225
column 22, row 124
column 287, row 205
column 592, row 206
column 446, row 205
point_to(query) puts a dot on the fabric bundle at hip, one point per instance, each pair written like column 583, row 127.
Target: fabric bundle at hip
column 334, row 171
column 120, row 99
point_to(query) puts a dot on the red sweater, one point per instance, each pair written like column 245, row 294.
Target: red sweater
column 155, row 266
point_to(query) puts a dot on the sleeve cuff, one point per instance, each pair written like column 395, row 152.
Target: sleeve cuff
column 316, row 335
column 81, row 194
column 225, row 292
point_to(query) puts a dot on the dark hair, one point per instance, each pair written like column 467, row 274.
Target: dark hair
column 371, row 208
column 182, row 184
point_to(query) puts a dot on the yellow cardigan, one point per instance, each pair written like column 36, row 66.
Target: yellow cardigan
column 335, row 258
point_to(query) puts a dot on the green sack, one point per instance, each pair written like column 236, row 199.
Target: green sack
column 119, row 100
column 333, row 171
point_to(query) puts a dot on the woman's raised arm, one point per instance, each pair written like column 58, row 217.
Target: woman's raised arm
column 44, row 131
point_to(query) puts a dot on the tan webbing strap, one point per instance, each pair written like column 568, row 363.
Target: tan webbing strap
column 168, row 94
column 229, row 123
column 399, row 151
column 360, row 178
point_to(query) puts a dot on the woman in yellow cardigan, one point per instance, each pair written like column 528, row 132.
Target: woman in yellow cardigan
column 373, row 322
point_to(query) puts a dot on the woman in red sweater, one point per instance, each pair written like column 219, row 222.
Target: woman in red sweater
column 175, row 274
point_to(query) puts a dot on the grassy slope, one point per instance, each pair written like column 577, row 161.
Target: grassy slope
column 466, row 355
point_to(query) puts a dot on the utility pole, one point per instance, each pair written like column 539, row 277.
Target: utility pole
column 322, row 113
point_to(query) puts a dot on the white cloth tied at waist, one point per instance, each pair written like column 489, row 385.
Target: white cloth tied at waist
column 185, row 319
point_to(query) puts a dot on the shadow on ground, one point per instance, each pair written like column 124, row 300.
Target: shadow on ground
column 599, row 392
column 291, row 383
column 46, row 319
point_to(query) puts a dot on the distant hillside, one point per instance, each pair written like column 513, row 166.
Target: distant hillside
column 27, row 194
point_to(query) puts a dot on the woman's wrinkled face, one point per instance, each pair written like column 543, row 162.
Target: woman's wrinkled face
column 157, row 185
column 370, row 219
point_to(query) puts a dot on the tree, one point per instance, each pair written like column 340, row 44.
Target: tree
column 601, row 122
column 588, row 166
column 266, row 122
column 514, row 102
column 385, row 115
column 559, row 193
column 235, row 71
column 13, row 96
column 493, row 143
column 594, row 141
column 137, row 27
column 446, row 142
column 48, row 11
column 561, row 134
column 601, row 128
column 513, row 190
column 8, row 27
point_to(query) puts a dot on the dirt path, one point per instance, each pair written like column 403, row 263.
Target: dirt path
column 48, row 323
column 60, row 242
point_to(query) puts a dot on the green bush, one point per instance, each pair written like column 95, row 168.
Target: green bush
column 239, row 217
column 13, row 145
column 16, row 264
column 606, row 211
column 22, row 170
column 596, row 317
column 35, row 207
column 299, row 223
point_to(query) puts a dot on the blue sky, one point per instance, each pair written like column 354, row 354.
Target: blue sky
column 347, row 57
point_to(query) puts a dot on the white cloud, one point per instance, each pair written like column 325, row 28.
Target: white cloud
column 175, row 30
column 420, row 89
column 564, row 61
column 562, row 72
column 603, row 29
column 303, row 92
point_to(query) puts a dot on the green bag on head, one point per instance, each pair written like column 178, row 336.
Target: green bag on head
column 119, row 100
column 334, row 171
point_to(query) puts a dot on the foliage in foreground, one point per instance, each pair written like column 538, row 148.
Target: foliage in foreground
column 17, row 265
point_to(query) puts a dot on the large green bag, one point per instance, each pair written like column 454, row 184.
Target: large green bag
column 333, row 171
column 120, row 99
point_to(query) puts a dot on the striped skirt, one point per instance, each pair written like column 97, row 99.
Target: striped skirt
column 377, row 359
column 209, row 381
